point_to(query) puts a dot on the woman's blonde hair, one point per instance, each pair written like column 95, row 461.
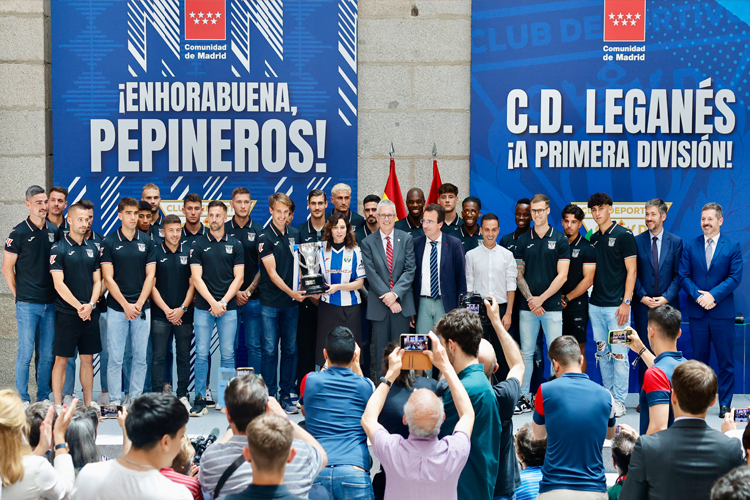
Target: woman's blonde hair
column 13, row 430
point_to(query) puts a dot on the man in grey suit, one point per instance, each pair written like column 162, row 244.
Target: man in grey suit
column 388, row 256
column 685, row 460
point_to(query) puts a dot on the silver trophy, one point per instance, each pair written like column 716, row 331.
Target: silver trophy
column 312, row 281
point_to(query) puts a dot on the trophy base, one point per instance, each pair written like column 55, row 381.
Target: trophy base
column 313, row 284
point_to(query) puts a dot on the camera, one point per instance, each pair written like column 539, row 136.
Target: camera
column 474, row 302
column 200, row 444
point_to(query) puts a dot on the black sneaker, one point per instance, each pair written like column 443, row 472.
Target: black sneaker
column 523, row 406
column 210, row 403
column 199, row 407
column 289, row 407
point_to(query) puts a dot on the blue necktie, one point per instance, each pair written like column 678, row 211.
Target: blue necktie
column 655, row 260
column 434, row 283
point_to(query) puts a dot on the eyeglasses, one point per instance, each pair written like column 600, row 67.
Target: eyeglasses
column 387, row 216
column 425, row 222
column 538, row 212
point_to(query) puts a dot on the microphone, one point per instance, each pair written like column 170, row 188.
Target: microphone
column 213, row 436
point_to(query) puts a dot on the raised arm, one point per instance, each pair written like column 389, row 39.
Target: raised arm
column 375, row 405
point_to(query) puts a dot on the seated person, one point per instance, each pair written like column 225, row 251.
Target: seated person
column 530, row 452
column 155, row 426
column 35, row 415
column 183, row 471
column 622, row 448
column 246, row 398
column 81, row 439
column 735, row 485
column 421, row 466
column 269, row 448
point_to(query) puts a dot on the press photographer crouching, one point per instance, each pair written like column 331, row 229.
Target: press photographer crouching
column 421, row 466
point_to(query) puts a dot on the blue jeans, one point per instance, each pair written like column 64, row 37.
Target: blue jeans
column 29, row 316
column 551, row 322
column 204, row 323
column 614, row 370
column 128, row 360
column 345, row 482
column 279, row 322
column 119, row 331
column 249, row 314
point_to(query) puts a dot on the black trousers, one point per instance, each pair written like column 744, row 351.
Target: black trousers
column 160, row 334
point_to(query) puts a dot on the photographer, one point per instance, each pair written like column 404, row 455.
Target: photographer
column 421, row 466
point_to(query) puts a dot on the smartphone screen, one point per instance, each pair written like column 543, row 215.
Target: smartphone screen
column 110, row 411
column 619, row 336
column 411, row 342
column 473, row 308
column 245, row 371
column 741, row 414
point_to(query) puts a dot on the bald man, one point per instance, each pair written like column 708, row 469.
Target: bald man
column 426, row 467
column 507, row 393
column 415, row 203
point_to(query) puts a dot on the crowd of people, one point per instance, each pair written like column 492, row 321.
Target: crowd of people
column 444, row 433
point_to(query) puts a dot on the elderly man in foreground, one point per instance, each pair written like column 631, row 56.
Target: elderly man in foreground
column 422, row 466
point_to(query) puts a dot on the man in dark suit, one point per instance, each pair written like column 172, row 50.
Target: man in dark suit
column 440, row 276
column 388, row 256
column 684, row 460
column 658, row 280
column 710, row 270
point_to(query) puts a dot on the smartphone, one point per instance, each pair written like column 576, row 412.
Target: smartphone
column 413, row 345
column 619, row 336
column 249, row 370
column 110, row 411
column 412, row 342
column 741, row 414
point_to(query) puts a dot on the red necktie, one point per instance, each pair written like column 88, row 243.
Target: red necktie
column 389, row 257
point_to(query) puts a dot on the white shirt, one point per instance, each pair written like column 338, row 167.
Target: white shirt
column 113, row 481
column 715, row 240
column 41, row 480
column 385, row 243
column 426, row 274
column 491, row 272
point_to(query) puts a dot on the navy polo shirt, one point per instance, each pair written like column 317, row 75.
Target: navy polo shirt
column 157, row 225
column 62, row 229
column 406, row 225
column 582, row 253
column 129, row 259
column 98, row 240
column 248, row 236
column 355, row 219
column 454, row 228
column 657, row 386
column 308, row 234
column 612, row 249
column 218, row 259
column 468, row 242
column 172, row 279
column 362, row 233
column 188, row 237
column 577, row 414
column 510, row 241
column 32, row 246
column 273, row 242
column 78, row 263
column 541, row 256
column 335, row 400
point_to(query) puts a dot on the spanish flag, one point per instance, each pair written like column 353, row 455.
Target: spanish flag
column 436, row 183
column 392, row 192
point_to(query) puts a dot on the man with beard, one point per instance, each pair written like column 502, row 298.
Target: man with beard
column 58, row 201
column 370, row 206
column 415, row 202
column 150, row 193
column 468, row 232
column 192, row 208
column 341, row 197
column 217, row 264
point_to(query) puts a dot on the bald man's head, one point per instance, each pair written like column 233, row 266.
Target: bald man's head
column 424, row 414
column 487, row 357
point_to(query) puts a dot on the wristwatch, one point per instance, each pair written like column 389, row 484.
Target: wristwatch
column 565, row 299
column 627, row 301
column 223, row 303
column 184, row 309
column 93, row 305
column 386, row 381
column 62, row 446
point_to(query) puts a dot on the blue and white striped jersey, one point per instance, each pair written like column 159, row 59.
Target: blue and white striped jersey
column 341, row 267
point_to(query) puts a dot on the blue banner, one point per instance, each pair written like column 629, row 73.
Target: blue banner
column 203, row 96
column 639, row 99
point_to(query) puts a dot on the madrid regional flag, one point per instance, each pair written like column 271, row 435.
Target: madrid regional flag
column 205, row 20
column 624, row 20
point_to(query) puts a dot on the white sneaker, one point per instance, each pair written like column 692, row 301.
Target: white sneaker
column 103, row 399
column 95, row 406
column 620, row 409
column 167, row 389
column 185, row 401
column 26, row 405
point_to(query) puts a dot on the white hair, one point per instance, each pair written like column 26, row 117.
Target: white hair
column 340, row 187
column 386, row 203
column 424, row 413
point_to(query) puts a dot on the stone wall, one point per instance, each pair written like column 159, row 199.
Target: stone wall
column 414, row 88
column 25, row 135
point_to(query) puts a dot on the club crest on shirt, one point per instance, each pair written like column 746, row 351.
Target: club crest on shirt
column 90, row 253
column 612, row 241
column 98, row 245
column 250, row 236
column 228, row 248
column 161, row 233
column 291, row 241
column 347, row 259
column 183, row 259
column 575, row 253
column 551, row 245
column 51, row 237
column 141, row 247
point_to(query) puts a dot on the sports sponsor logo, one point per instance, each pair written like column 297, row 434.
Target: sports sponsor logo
column 8, row 242
column 260, row 247
column 205, row 20
column 52, row 259
column 624, row 20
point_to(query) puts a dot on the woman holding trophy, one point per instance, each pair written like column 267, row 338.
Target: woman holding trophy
column 344, row 272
